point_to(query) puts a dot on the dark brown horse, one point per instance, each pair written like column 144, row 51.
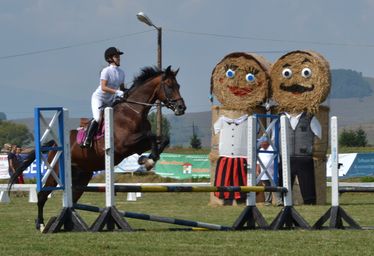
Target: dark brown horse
column 132, row 131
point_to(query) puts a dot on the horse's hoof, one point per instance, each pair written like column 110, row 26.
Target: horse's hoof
column 39, row 225
column 149, row 164
column 41, row 228
column 142, row 160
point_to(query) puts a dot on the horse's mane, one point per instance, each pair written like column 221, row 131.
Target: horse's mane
column 145, row 74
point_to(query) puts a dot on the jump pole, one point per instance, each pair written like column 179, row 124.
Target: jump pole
column 336, row 214
column 288, row 217
column 68, row 219
column 142, row 216
column 110, row 217
column 180, row 189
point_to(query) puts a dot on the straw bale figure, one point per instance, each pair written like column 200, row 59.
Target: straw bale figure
column 301, row 81
column 240, row 82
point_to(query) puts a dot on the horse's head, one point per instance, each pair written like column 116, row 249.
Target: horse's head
column 168, row 92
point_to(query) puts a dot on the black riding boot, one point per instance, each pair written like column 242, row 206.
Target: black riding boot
column 92, row 128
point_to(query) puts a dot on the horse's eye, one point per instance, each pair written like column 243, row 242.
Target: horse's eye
column 230, row 73
column 250, row 77
column 287, row 73
column 306, row 72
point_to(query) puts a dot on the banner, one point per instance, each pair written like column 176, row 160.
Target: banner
column 180, row 166
column 362, row 166
column 4, row 166
column 353, row 165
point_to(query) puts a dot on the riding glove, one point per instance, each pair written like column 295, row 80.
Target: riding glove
column 119, row 93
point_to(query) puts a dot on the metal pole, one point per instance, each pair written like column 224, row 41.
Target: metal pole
column 159, row 65
column 109, row 157
column 286, row 171
column 251, row 159
column 334, row 162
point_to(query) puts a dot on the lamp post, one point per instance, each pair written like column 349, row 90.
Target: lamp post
column 144, row 18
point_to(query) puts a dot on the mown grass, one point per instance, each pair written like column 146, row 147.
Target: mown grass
column 19, row 237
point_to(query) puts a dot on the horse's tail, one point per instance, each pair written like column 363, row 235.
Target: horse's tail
column 24, row 164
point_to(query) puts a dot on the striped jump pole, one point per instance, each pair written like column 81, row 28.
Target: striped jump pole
column 356, row 189
column 142, row 216
column 158, row 189
column 335, row 214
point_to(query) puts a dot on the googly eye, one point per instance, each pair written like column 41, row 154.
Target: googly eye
column 287, row 73
column 230, row 73
column 306, row 72
column 250, row 77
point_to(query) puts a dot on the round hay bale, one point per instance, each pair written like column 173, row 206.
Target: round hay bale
column 241, row 80
column 301, row 81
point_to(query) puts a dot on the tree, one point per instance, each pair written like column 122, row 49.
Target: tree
column 165, row 124
column 353, row 138
column 361, row 138
column 2, row 116
column 13, row 133
column 195, row 140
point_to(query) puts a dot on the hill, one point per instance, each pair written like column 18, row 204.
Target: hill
column 352, row 113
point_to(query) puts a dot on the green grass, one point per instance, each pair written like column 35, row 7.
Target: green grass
column 19, row 237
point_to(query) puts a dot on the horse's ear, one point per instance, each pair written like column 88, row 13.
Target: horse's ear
column 167, row 70
column 176, row 72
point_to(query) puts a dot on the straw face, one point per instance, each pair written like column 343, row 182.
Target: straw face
column 241, row 80
column 301, row 81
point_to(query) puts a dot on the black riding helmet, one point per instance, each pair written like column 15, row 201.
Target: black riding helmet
column 110, row 52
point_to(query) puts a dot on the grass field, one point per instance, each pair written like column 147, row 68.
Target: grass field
column 19, row 237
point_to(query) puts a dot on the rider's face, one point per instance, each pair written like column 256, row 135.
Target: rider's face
column 117, row 60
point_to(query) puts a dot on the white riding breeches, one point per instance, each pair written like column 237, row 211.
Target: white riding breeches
column 96, row 103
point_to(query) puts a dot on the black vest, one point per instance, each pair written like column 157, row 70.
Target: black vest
column 300, row 140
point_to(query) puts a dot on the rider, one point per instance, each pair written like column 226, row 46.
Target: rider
column 112, row 78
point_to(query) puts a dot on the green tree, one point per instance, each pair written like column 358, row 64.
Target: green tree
column 13, row 133
column 165, row 124
column 195, row 140
column 361, row 138
column 2, row 116
column 353, row 138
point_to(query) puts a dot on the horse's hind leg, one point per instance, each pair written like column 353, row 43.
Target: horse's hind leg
column 42, row 199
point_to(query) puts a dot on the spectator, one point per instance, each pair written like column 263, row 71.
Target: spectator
column 267, row 161
column 18, row 161
column 12, row 159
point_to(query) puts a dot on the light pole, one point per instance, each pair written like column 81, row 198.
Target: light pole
column 144, row 18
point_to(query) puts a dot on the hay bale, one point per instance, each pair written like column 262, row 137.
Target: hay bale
column 320, row 147
column 241, row 80
column 301, row 81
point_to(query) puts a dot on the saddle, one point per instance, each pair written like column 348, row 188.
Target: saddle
column 83, row 126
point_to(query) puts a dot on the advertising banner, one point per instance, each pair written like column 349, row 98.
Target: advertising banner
column 180, row 166
column 4, row 166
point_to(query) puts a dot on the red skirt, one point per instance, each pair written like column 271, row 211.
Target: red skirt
column 231, row 171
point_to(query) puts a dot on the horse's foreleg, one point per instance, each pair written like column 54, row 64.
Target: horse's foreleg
column 158, row 147
column 163, row 144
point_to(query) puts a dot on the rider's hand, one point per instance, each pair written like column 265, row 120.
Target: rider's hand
column 119, row 93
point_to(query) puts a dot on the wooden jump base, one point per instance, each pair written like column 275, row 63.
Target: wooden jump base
column 142, row 216
column 157, row 189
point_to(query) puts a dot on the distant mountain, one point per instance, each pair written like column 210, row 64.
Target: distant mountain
column 348, row 83
column 352, row 112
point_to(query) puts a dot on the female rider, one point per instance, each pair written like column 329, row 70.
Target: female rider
column 111, row 79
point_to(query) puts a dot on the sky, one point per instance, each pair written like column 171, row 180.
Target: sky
column 51, row 51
